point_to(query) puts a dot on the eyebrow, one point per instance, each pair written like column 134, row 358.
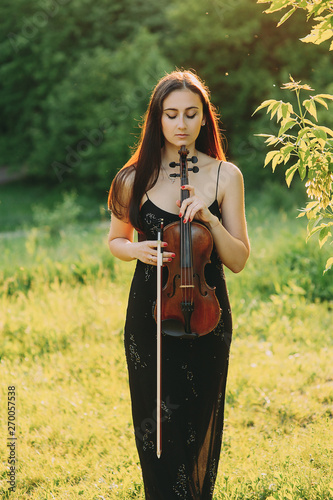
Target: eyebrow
column 175, row 109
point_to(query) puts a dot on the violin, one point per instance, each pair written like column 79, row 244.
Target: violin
column 189, row 307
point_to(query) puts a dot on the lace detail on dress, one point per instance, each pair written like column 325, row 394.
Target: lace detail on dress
column 134, row 353
column 180, row 487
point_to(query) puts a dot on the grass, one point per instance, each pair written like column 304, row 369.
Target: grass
column 61, row 346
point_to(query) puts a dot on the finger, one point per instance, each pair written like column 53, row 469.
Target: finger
column 152, row 243
column 167, row 260
column 184, row 206
column 191, row 211
column 188, row 187
column 169, row 255
column 152, row 260
column 198, row 209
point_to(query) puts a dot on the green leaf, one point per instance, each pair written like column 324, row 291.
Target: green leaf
column 317, row 36
column 320, row 101
column 325, row 96
column 301, row 134
column 311, row 206
column 289, row 177
column 286, row 110
column 264, row 105
column 286, row 125
column 324, row 234
column 312, row 227
column 310, row 123
column 311, row 108
column 329, row 264
column 327, row 130
column 286, row 16
column 287, row 149
column 286, row 152
column 275, row 5
column 302, row 170
column 321, row 136
column 272, row 141
column 274, row 108
column 279, row 115
column 276, row 160
column 269, row 157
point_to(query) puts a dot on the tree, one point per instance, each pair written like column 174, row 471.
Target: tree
column 41, row 44
column 242, row 57
column 92, row 114
column 310, row 150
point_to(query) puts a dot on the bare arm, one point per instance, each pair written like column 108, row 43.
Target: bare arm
column 231, row 238
column 120, row 239
column 122, row 245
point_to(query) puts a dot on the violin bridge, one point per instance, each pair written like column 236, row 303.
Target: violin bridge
column 186, row 286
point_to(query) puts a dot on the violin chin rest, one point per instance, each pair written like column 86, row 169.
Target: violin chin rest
column 175, row 328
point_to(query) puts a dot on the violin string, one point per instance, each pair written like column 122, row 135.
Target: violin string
column 182, row 255
column 185, row 276
column 191, row 264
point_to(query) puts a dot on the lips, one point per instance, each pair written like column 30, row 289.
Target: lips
column 181, row 135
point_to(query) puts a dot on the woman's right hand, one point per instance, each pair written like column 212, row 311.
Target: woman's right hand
column 146, row 252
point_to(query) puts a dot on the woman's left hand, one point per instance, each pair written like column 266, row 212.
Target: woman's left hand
column 193, row 207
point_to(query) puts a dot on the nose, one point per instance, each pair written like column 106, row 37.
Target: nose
column 181, row 122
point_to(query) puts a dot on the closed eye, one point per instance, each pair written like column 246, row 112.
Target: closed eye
column 187, row 116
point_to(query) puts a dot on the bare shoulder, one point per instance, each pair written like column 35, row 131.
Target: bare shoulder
column 231, row 181
column 231, row 169
column 227, row 168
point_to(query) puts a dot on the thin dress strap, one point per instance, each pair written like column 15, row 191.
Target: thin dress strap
column 217, row 180
column 147, row 195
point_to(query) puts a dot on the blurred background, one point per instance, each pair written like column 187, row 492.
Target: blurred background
column 76, row 77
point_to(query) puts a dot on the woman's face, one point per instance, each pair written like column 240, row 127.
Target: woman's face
column 182, row 118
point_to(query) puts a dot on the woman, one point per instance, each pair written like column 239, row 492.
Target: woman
column 194, row 371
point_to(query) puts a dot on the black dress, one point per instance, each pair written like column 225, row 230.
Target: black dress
column 194, row 374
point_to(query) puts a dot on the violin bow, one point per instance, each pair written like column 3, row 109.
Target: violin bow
column 159, row 337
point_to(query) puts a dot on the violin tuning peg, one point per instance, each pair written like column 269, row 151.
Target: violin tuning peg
column 194, row 169
column 194, row 159
column 174, row 175
column 173, row 164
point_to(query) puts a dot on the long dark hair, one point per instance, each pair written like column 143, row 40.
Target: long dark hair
column 144, row 165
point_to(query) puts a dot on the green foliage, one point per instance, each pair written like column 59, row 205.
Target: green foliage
column 97, row 142
column 281, row 262
column 35, row 260
column 54, row 220
column 50, row 48
column 310, row 150
column 75, row 77
column 242, row 58
column 321, row 11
